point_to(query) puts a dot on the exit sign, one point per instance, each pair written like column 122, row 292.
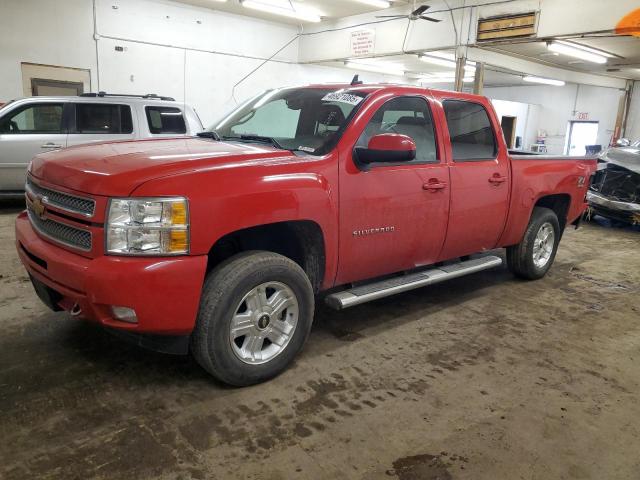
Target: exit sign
column 582, row 115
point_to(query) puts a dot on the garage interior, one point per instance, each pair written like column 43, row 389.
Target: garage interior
column 482, row 377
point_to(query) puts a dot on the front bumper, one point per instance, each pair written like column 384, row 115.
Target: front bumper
column 164, row 292
column 626, row 211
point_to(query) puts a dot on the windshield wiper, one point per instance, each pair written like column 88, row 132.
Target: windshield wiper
column 210, row 134
column 256, row 138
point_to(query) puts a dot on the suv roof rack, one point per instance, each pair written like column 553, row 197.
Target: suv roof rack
column 148, row 95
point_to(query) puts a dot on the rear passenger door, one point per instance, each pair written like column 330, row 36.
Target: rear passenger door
column 479, row 179
column 100, row 122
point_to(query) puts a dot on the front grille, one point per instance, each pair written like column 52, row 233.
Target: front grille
column 60, row 232
column 63, row 201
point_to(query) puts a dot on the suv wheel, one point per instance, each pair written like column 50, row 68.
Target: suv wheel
column 255, row 314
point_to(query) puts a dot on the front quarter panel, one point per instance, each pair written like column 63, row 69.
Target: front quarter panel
column 242, row 194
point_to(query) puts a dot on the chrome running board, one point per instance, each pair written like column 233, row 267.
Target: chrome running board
column 391, row 286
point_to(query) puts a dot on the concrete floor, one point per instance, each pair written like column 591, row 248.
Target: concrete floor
column 484, row 377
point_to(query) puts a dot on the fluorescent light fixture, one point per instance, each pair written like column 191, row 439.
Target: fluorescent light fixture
column 444, row 79
column 283, row 8
column 444, row 59
column 375, row 3
column 378, row 67
column 445, row 55
column 444, row 74
column 546, row 81
column 437, row 61
column 578, row 51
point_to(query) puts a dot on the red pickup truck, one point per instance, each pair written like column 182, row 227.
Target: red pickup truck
column 220, row 245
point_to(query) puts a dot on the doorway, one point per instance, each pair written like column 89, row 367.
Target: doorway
column 580, row 134
column 54, row 88
column 54, row 80
column 508, row 124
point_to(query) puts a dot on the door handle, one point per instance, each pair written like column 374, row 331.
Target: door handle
column 51, row 145
column 434, row 184
column 497, row 179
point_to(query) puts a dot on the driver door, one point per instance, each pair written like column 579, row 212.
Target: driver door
column 393, row 217
column 25, row 132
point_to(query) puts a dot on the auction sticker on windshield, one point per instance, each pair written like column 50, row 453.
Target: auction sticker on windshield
column 342, row 98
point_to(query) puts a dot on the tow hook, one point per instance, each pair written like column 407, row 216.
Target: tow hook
column 76, row 310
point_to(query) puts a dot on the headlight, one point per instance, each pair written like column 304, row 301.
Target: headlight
column 147, row 226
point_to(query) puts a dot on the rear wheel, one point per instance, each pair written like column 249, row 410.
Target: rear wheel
column 534, row 255
column 255, row 315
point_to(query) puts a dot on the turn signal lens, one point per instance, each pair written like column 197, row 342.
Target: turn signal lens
column 179, row 242
column 178, row 213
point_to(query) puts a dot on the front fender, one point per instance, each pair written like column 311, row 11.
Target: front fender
column 223, row 201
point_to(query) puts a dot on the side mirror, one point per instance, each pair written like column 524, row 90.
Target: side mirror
column 623, row 142
column 387, row 148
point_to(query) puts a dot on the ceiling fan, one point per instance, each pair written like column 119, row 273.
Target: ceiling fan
column 417, row 14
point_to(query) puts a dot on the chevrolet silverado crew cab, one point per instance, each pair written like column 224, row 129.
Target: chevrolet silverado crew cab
column 39, row 124
column 220, row 244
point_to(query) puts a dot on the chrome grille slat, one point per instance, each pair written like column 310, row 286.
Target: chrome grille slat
column 63, row 201
column 61, row 232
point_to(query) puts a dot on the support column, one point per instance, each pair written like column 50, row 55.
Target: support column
column 478, row 79
column 627, row 106
column 460, row 62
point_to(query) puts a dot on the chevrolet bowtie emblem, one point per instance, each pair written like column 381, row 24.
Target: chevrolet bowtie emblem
column 38, row 207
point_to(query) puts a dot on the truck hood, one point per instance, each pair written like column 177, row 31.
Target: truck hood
column 627, row 157
column 117, row 168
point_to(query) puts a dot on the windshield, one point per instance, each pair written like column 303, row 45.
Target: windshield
column 309, row 120
column 636, row 144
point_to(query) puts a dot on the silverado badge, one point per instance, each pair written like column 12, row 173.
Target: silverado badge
column 372, row 231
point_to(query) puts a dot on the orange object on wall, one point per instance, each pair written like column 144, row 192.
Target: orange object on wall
column 630, row 24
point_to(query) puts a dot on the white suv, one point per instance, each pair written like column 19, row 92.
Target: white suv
column 37, row 124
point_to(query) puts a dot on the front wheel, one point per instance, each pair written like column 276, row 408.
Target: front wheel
column 534, row 255
column 255, row 315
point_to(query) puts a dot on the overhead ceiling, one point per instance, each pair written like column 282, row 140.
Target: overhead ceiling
column 624, row 64
column 414, row 67
column 329, row 8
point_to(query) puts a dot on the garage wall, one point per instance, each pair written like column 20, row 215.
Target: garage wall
column 61, row 34
column 558, row 105
column 523, row 113
column 186, row 52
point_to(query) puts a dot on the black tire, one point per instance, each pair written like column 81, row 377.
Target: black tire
column 224, row 288
column 520, row 258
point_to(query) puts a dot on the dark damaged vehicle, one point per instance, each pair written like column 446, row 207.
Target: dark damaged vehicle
column 615, row 188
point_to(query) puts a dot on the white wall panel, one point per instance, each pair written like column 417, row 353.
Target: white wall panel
column 561, row 17
column 46, row 32
column 141, row 69
column 176, row 24
column 556, row 109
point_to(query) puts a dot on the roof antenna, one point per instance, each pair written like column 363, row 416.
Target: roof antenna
column 356, row 80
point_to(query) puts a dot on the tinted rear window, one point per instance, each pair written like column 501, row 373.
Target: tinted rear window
column 103, row 118
column 470, row 131
column 165, row 120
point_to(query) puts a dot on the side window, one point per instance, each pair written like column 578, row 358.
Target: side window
column 165, row 120
column 470, row 130
column 409, row 116
column 34, row 118
column 103, row 118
